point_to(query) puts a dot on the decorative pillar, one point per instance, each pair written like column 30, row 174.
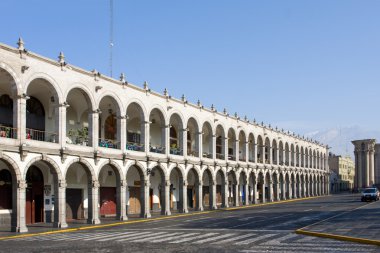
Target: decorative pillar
column 19, row 118
column 122, row 133
column 167, row 198
column 121, row 200
column 277, row 196
column 199, row 196
column 283, row 189
column 263, row 200
column 213, row 147
column 166, row 141
column 300, row 188
column 290, row 188
column 184, row 142
column 18, row 223
column 184, row 197
column 94, row 129
column 61, row 129
column 146, row 205
column 225, row 193
column 93, row 205
column 270, row 160
column 146, row 137
column 270, row 191
column 213, row 195
column 246, row 196
column 60, row 205
column 200, row 145
column 237, row 193
column 255, row 197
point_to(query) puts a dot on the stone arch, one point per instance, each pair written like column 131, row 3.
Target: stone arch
column 85, row 90
column 50, row 80
column 86, row 164
column 141, row 105
column 17, row 84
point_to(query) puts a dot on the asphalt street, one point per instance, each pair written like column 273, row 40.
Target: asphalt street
column 268, row 228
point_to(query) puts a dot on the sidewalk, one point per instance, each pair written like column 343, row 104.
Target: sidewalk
column 358, row 225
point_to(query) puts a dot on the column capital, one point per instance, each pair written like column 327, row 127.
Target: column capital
column 21, row 184
column 167, row 182
column 95, row 184
column 62, row 183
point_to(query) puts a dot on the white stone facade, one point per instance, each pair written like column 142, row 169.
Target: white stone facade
column 80, row 141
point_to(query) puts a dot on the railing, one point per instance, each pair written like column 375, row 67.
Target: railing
column 231, row 157
column 282, row 163
column 260, row 160
column 242, row 158
column 292, row 163
column 134, row 146
column 207, row 155
column 8, row 132
column 176, row 151
column 192, row 153
column 251, row 160
column 37, row 135
column 77, row 140
column 287, row 163
column 105, row 143
column 219, row 156
column 157, row 149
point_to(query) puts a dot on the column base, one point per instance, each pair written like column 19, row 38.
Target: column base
column 184, row 210
column 214, row 208
column 123, row 218
column 93, row 221
column 168, row 213
column 60, row 225
column 200, row 209
column 147, row 215
column 21, row 229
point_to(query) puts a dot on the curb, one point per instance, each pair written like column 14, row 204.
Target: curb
column 66, row 230
column 339, row 237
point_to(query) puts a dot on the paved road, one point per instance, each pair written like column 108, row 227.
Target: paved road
column 261, row 229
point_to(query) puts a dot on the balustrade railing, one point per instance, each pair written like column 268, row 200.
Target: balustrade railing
column 77, row 140
column 134, row 146
column 207, row 155
column 219, row 156
column 232, row 157
column 176, row 151
column 157, row 149
column 242, row 158
column 251, row 160
column 8, row 132
column 37, row 135
column 106, row 143
column 192, row 153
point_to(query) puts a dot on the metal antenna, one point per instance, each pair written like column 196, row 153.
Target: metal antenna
column 111, row 35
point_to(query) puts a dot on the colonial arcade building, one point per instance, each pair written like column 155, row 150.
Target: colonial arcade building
column 78, row 145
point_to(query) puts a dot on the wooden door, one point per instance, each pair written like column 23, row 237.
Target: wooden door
column 74, row 204
column 134, row 200
column 107, row 201
column 151, row 198
column 34, row 206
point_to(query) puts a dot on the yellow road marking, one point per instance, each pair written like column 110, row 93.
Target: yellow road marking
column 150, row 219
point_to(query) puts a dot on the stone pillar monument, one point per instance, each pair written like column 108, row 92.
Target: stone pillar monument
column 364, row 163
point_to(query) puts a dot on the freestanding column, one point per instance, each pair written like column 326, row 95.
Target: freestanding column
column 122, row 133
column 94, row 129
column 263, row 200
column 167, row 198
column 146, row 206
column 246, row 196
column 300, row 189
column 213, row 196
column 18, row 211
column 60, row 204
column 290, row 188
column 199, row 196
column 254, row 192
column 270, row 191
column 19, row 111
column 93, row 205
column 121, row 199
column 236, row 195
column 184, row 197
column 61, row 128
column 277, row 197
column 283, row 190
column 225, row 195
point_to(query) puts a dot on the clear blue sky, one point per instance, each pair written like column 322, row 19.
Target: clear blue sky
column 302, row 65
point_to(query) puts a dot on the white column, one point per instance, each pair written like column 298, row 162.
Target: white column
column 184, row 142
column 94, row 129
column 121, row 199
column 225, row 195
column 146, row 206
column 147, row 137
column 18, row 211
column 255, row 192
column 19, row 118
column 60, row 204
column 166, row 142
column 270, row 191
column 61, row 125
column 246, row 196
column 123, row 133
column 290, row 188
column 283, row 189
column 199, row 196
column 184, row 197
column 213, row 195
column 93, row 205
column 237, row 193
column 167, row 198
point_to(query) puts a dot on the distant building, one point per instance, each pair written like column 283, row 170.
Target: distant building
column 367, row 163
column 342, row 173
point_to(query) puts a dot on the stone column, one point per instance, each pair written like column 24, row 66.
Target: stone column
column 93, row 202
column 61, row 129
column 263, row 200
column 225, row 193
column 146, row 137
column 199, row 193
column 60, row 204
column 121, row 200
column 184, row 197
column 18, row 223
column 360, row 170
column 94, row 129
column 254, row 192
column 122, row 133
column 372, row 166
column 237, row 193
column 214, row 147
column 213, row 196
column 290, row 188
column 146, row 204
column 166, row 142
column 283, row 190
column 246, row 152
column 184, row 142
column 300, row 189
column 225, row 148
column 236, row 144
column 19, row 118
column 246, row 196
column 270, row 191
column 200, row 145
column 277, row 197
column 255, row 152
column 167, row 198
